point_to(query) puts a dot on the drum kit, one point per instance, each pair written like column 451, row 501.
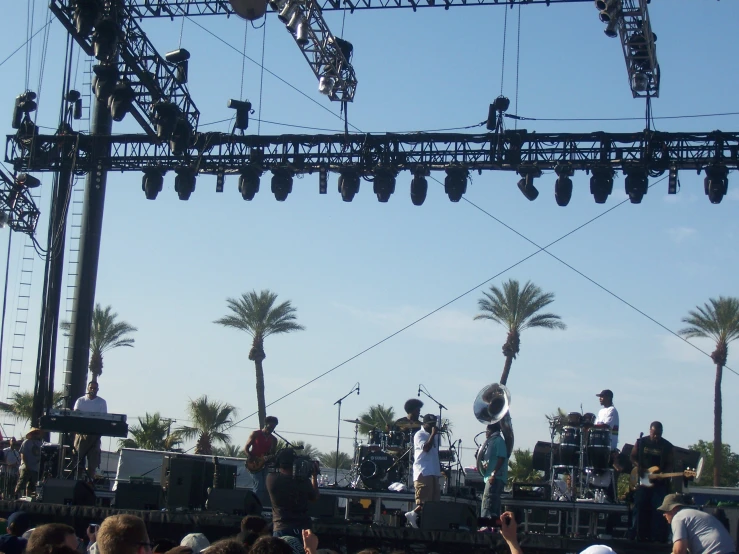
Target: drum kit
column 582, row 451
column 387, row 457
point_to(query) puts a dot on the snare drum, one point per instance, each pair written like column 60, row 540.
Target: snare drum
column 599, row 447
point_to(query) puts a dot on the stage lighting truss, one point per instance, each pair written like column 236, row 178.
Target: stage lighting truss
column 355, row 155
column 282, row 183
column 17, row 208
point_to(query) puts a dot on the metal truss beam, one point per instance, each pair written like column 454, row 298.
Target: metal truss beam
column 17, row 203
column 177, row 8
column 218, row 153
column 151, row 77
column 639, row 48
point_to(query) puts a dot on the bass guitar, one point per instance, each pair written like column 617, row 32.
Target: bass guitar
column 652, row 474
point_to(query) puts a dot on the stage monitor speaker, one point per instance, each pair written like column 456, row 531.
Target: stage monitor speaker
column 325, row 507
column 443, row 516
column 138, row 496
column 234, row 502
column 188, row 478
column 68, row 493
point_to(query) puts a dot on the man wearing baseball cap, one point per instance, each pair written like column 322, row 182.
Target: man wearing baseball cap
column 694, row 531
column 608, row 415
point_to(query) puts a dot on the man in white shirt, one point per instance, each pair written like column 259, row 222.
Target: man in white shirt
column 426, row 466
column 9, row 468
column 608, row 415
column 88, row 446
column 694, row 531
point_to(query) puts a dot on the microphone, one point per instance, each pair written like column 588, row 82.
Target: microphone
column 357, row 389
column 419, row 391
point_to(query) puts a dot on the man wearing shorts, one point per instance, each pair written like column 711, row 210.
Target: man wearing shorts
column 426, row 467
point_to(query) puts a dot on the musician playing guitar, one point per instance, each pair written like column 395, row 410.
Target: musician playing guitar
column 649, row 452
column 260, row 450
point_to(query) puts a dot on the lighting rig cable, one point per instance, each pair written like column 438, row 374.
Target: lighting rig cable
column 14, row 52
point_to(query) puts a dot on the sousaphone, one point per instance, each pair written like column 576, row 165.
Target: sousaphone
column 492, row 405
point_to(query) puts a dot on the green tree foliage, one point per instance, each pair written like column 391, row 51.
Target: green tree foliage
column 308, row 450
column 729, row 465
column 151, row 433
column 329, row 460
column 20, row 406
column 230, row 451
column 717, row 320
column 257, row 315
column 521, row 467
column 516, row 309
column 210, row 421
column 105, row 334
column 376, row 417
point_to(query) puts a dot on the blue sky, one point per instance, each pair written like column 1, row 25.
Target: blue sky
column 357, row 272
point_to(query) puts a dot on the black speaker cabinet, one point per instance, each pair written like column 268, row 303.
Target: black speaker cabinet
column 138, row 496
column 234, row 502
column 68, row 492
column 444, row 516
column 188, row 478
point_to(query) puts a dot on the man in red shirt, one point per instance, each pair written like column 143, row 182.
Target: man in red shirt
column 260, row 448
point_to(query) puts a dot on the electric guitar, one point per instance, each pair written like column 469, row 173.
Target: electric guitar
column 256, row 464
column 652, row 474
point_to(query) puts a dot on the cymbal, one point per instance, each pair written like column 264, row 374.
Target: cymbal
column 354, row 421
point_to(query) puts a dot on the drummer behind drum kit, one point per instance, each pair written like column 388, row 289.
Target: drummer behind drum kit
column 387, row 457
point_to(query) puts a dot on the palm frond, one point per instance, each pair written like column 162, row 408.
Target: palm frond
column 718, row 319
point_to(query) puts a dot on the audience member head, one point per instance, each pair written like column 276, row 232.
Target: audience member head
column 270, row 545
column 369, row 551
column 45, row 537
column 61, row 549
column 227, row 546
column 123, row 534
column 18, row 523
column 197, row 541
column 256, row 524
column 163, row 545
column 249, row 538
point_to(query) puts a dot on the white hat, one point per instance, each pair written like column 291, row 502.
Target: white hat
column 598, row 549
column 197, row 541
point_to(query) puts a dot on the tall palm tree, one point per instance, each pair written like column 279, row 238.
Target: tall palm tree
column 151, row 433
column 20, row 406
column 210, row 421
column 230, row 451
column 717, row 320
column 517, row 309
column 106, row 334
column 308, row 450
column 376, row 417
column 256, row 314
column 330, row 460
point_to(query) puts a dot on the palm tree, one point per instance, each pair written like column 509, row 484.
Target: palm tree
column 230, row 451
column 717, row 320
column 210, row 422
column 308, row 450
column 151, row 433
column 377, row 417
column 521, row 468
column 330, row 460
column 20, row 407
column 258, row 315
column 106, row 334
column 516, row 309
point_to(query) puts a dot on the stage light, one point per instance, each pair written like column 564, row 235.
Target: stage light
column 165, row 115
column 609, row 9
column 611, row 29
column 250, row 10
column 323, row 181
column 74, row 99
column 249, row 182
column 282, row 184
column 184, row 183
column 326, row 84
column 384, row 184
column 179, row 58
column 85, row 14
column 348, row 184
column 277, row 5
column 27, row 181
column 4, row 218
column 672, row 182
column 496, row 109
column 419, row 186
column 120, row 101
column 179, row 141
column 455, row 182
column 636, row 184
column 563, row 184
column 105, row 80
column 640, row 82
column 25, row 104
column 242, row 113
column 716, row 183
column 105, row 40
column 301, row 34
column 220, row 179
column 286, row 12
column 601, row 184
column 345, row 46
column 526, row 183
column 152, row 182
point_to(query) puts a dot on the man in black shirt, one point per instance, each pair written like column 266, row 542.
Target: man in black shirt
column 290, row 497
column 650, row 452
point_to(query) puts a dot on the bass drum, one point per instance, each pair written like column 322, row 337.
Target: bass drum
column 377, row 470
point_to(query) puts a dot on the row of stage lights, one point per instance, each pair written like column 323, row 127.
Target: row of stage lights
column 455, row 183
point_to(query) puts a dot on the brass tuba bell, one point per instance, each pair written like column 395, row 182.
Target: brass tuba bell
column 492, row 405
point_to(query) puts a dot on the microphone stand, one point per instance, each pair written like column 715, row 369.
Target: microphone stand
column 338, row 432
